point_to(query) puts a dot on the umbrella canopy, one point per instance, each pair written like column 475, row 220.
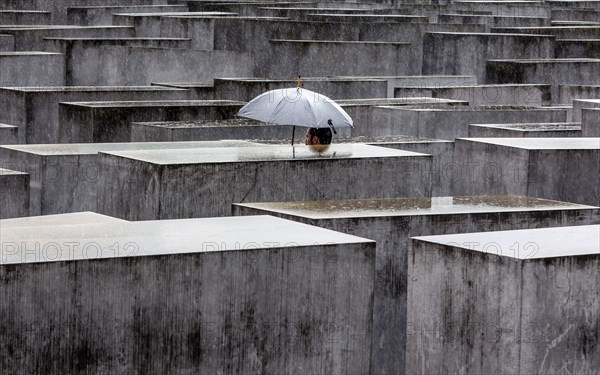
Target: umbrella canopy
column 296, row 106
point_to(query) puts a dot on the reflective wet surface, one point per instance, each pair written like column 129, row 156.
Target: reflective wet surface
column 412, row 206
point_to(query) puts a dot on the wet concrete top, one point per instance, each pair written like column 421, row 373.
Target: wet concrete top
column 205, row 123
column 121, row 39
column 304, row 41
column 262, row 153
column 429, row 107
column 175, row 14
column 162, row 237
column 27, row 53
column 6, row 126
column 90, row 88
column 399, row 101
column 547, row 61
column 158, row 103
column 363, row 208
column 541, row 143
column 527, row 244
column 94, row 148
column 491, row 34
column 10, row 172
column 60, row 219
column 556, row 126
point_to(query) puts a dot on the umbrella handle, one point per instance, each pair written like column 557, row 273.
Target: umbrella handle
column 293, row 134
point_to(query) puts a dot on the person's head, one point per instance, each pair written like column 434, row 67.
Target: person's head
column 318, row 136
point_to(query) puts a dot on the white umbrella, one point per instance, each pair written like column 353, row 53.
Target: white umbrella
column 298, row 107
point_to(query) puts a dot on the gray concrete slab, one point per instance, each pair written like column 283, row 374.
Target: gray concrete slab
column 9, row 134
column 102, row 15
column 516, row 301
column 579, row 104
column 31, row 38
column 211, row 289
column 46, row 221
column 35, row 109
column 493, row 21
column 590, row 122
column 31, row 69
column 14, row 194
column 506, row 8
column 288, row 57
column 577, row 48
column 391, row 222
column 420, row 82
column 526, row 130
column 569, row 92
column 213, row 130
column 478, row 95
column 549, row 71
column 198, row 183
column 466, row 53
column 452, row 122
column 24, row 17
column 126, row 66
column 7, row 43
column 64, row 177
column 566, row 169
column 111, row 121
column 560, row 32
column 65, row 45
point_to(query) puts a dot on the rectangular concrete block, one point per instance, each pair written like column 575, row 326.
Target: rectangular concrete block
column 566, row 169
column 211, row 291
column 35, row 109
column 64, row 177
column 24, row 17
column 14, row 194
column 417, row 83
column 530, row 130
column 590, row 122
column 124, row 66
column 142, row 185
column 577, row 48
column 579, row 104
column 466, row 53
column 9, row 134
column 31, row 38
column 103, row 15
column 560, row 32
column 111, row 121
column 315, row 57
column 517, row 302
column 549, row 71
column 7, row 43
column 569, row 92
column 31, row 69
column 214, row 130
column 391, row 223
column 452, row 122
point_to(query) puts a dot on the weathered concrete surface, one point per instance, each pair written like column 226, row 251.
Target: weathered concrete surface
column 213, row 130
column 7, row 43
column 569, row 92
column 14, row 194
column 103, row 15
column 124, row 65
column 211, row 291
column 24, row 17
column 420, row 82
column 31, row 38
column 466, row 53
column 566, row 169
column 289, row 57
column 31, row 69
column 197, row 182
column 391, row 222
column 451, row 122
column 442, row 153
column 590, row 122
column 514, row 302
column 64, row 177
column 35, row 109
column 71, row 46
column 526, row 130
column 579, row 104
column 560, row 32
column 111, row 121
column 9, row 134
column 577, row 48
column 549, row 71
column 478, row 95
column 493, row 21
column 46, row 221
